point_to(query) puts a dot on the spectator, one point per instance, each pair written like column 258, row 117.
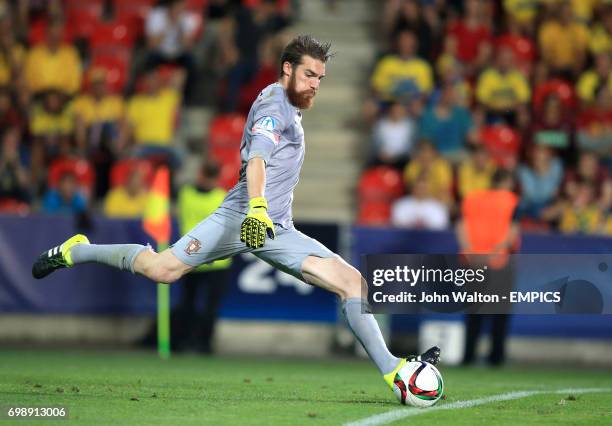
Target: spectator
column 450, row 72
column 196, row 202
column 54, row 65
column 12, row 54
column 540, row 181
column 171, row 31
column 488, row 232
column 393, row 136
column 32, row 12
column 151, row 117
column 99, row 108
column 130, row 199
column 589, row 169
column 471, row 36
column 66, row 198
column 553, row 126
column 52, row 126
column 579, row 213
column 503, row 92
column 437, row 171
column 476, row 172
column 595, row 126
column 447, row 124
column 591, row 80
column 101, row 115
column 419, row 209
column 522, row 13
column 9, row 115
column 563, row 42
column 420, row 18
column 13, row 175
column 402, row 75
column 243, row 35
column 600, row 40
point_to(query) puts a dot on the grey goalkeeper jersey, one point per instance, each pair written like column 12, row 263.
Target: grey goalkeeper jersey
column 274, row 132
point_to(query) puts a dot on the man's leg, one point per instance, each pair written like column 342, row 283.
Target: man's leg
column 160, row 267
column 337, row 276
column 473, row 323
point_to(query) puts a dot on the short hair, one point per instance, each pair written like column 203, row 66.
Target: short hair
column 210, row 169
column 500, row 176
column 304, row 45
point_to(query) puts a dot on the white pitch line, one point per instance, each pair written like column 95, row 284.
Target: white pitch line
column 391, row 416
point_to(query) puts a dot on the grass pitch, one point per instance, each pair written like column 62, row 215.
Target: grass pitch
column 122, row 388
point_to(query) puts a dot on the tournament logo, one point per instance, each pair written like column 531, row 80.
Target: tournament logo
column 193, row 247
column 267, row 123
column 265, row 127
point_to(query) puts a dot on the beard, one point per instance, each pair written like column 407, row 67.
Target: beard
column 301, row 100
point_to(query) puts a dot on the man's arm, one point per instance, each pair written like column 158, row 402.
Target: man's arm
column 256, row 177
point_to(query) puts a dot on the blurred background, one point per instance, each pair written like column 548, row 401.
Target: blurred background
column 424, row 103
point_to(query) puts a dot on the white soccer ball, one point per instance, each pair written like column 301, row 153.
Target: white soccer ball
column 418, row 384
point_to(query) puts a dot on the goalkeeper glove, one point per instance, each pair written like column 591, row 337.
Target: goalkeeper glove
column 256, row 224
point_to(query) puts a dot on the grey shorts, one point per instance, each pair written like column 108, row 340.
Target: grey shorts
column 218, row 237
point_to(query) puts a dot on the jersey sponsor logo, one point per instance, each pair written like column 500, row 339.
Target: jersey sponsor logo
column 193, row 246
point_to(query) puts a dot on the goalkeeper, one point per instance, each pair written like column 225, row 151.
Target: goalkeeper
column 272, row 152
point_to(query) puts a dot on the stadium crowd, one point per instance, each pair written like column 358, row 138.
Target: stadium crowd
column 91, row 92
column 464, row 88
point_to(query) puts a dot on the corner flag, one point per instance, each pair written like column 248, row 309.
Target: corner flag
column 157, row 223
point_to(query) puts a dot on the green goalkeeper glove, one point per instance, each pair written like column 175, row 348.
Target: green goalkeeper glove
column 256, row 224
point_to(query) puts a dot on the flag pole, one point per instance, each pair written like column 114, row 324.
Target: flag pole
column 157, row 224
column 163, row 315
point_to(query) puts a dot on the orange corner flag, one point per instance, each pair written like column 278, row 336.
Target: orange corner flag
column 156, row 221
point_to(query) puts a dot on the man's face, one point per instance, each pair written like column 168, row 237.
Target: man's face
column 67, row 186
column 304, row 81
column 406, row 44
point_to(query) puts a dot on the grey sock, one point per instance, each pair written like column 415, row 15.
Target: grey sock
column 119, row 256
column 366, row 330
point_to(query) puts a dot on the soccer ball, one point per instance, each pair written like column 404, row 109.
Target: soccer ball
column 418, row 384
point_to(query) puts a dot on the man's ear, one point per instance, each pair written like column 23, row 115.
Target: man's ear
column 287, row 68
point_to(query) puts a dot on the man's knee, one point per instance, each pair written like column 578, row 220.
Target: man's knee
column 165, row 268
column 349, row 283
column 163, row 274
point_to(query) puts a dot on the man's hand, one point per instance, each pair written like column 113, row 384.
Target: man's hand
column 257, row 224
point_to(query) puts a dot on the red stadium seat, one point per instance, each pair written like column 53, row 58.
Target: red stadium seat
column 374, row 213
column 133, row 12
column 226, row 131
column 557, row 87
column 380, row 183
column 117, row 68
column 38, row 32
column 12, row 206
column 196, row 6
column 524, row 48
column 111, row 36
column 83, row 18
column 122, row 169
column 229, row 174
column 249, row 92
column 82, row 169
column 502, row 142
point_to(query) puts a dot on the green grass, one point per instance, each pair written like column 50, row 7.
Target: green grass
column 137, row 388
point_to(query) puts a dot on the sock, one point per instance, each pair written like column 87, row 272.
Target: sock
column 119, row 256
column 366, row 330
